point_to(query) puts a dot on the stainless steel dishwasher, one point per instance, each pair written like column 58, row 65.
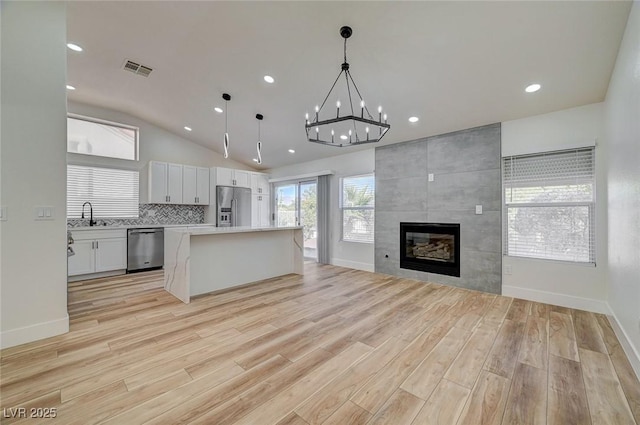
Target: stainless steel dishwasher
column 145, row 249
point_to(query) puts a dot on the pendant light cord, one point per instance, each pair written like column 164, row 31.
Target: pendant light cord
column 226, row 113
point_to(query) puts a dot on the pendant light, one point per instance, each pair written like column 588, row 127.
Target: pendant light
column 226, row 98
column 361, row 127
column 259, row 144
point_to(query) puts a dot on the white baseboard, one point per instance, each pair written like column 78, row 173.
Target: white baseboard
column 353, row 264
column 96, row 275
column 35, row 332
column 571, row 301
column 632, row 352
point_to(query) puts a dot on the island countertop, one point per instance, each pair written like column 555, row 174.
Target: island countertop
column 203, row 259
column 213, row 230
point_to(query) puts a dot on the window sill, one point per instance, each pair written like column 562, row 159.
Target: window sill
column 547, row 260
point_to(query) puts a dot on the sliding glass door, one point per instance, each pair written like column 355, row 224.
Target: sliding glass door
column 296, row 205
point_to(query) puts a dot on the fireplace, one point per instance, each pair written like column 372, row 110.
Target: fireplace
column 430, row 247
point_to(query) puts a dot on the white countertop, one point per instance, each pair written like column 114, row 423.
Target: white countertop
column 212, row 230
column 137, row 226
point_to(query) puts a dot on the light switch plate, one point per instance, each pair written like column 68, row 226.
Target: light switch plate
column 431, row 177
column 44, row 213
column 478, row 209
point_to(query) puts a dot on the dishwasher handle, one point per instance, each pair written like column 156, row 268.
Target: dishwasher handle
column 145, row 232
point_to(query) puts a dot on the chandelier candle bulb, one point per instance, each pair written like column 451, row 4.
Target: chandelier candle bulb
column 317, row 110
column 385, row 118
column 338, row 109
column 332, row 135
column 317, row 133
column 367, row 130
column 306, row 118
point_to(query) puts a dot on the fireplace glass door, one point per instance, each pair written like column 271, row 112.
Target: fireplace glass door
column 430, row 247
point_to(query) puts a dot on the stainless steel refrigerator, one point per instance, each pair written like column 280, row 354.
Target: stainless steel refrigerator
column 233, row 206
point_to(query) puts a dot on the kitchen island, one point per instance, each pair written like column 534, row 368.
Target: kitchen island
column 203, row 259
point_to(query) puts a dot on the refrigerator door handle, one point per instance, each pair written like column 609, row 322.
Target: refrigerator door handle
column 234, row 217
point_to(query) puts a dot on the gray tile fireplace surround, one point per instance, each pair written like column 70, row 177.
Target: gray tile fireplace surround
column 466, row 169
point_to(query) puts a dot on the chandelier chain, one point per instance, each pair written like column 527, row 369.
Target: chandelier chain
column 345, row 50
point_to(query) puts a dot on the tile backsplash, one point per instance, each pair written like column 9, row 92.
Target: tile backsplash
column 151, row 214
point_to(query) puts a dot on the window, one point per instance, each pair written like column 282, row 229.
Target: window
column 89, row 136
column 357, row 200
column 112, row 192
column 550, row 205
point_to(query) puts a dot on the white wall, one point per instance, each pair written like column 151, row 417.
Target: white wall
column 33, row 278
column 347, row 254
column 155, row 144
column 622, row 117
column 566, row 284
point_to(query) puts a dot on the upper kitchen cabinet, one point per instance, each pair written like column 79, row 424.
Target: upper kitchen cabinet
column 231, row 177
column 259, row 184
column 195, row 185
column 165, row 183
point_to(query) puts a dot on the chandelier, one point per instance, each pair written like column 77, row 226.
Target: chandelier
column 351, row 129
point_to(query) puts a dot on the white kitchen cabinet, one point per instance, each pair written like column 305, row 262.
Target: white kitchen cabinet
column 260, row 211
column 98, row 251
column 84, row 260
column 231, row 177
column 165, row 183
column 259, row 184
column 111, row 254
column 195, row 185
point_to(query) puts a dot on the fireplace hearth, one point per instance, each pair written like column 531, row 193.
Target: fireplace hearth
column 430, row 247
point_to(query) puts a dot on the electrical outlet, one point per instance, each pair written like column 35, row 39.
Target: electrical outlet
column 507, row 269
column 478, row 209
column 431, row 177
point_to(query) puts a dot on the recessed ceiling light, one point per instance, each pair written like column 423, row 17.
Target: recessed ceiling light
column 292, row 151
column 269, row 79
column 69, row 87
column 187, row 128
column 414, row 119
column 532, row 88
column 74, row 47
column 218, row 109
column 344, row 137
column 255, row 159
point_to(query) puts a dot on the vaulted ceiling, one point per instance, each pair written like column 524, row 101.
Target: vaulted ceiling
column 454, row 65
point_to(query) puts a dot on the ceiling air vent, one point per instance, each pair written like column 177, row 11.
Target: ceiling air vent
column 136, row 68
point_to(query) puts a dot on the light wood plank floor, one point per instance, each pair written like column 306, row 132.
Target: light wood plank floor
column 335, row 346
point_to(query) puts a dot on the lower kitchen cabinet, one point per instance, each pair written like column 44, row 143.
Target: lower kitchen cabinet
column 84, row 260
column 98, row 251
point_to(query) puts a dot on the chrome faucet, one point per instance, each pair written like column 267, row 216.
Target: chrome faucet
column 92, row 222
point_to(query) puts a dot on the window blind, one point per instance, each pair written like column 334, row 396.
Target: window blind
column 357, row 202
column 550, row 205
column 113, row 193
